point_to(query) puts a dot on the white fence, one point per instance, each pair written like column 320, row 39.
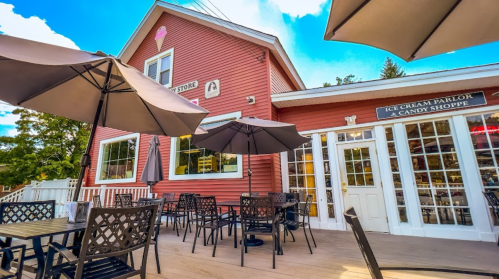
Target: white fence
column 63, row 190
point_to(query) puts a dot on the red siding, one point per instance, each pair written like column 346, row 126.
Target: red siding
column 203, row 54
column 279, row 81
column 333, row 115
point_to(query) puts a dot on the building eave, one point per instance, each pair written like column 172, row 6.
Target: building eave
column 444, row 81
column 262, row 39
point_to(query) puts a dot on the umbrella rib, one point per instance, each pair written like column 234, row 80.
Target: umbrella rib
column 350, row 16
column 105, row 111
column 92, row 76
column 237, row 131
column 164, row 133
column 57, row 84
column 413, row 55
column 116, row 85
column 278, row 140
column 254, row 143
column 81, row 75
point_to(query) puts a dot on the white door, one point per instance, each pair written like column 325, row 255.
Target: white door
column 361, row 184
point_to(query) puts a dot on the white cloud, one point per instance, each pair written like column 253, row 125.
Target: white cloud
column 451, row 52
column 32, row 28
column 300, row 8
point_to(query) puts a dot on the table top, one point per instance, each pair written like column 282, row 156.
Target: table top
column 238, row 203
column 43, row 228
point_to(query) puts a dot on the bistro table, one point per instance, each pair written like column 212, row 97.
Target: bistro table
column 277, row 205
column 35, row 230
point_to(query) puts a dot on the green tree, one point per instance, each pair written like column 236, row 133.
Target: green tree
column 46, row 147
column 342, row 81
column 391, row 70
column 326, row 84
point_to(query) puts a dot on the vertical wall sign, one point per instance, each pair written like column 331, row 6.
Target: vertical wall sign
column 160, row 37
column 212, row 89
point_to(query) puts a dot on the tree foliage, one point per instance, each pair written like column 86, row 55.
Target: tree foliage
column 46, row 147
column 391, row 70
column 342, row 81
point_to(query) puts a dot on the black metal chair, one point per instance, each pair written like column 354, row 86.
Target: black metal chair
column 126, row 200
column 154, row 240
column 209, row 217
column 19, row 212
column 304, row 214
column 168, row 206
column 111, row 234
column 253, row 194
column 493, row 203
column 179, row 211
column 190, row 209
column 375, row 269
column 96, row 201
column 253, row 211
column 7, row 255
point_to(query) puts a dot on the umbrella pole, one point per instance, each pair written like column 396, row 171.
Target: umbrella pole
column 85, row 158
column 249, row 166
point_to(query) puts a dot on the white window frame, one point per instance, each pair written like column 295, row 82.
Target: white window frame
column 6, row 189
column 157, row 59
column 173, row 149
column 101, row 152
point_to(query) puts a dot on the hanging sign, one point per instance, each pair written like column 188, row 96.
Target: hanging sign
column 433, row 105
column 212, row 89
column 160, row 37
column 185, row 87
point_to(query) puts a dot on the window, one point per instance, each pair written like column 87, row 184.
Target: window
column 118, row 159
column 355, row 135
column 484, row 133
column 301, row 174
column 192, row 162
column 6, row 188
column 442, row 197
column 327, row 176
column 160, row 68
column 397, row 183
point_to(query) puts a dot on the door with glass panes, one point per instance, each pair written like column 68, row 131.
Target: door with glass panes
column 361, row 184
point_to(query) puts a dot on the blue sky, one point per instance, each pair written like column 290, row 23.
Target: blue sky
column 106, row 25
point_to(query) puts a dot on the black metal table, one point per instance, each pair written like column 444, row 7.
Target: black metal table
column 277, row 205
column 35, row 230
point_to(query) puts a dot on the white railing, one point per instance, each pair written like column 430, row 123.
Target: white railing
column 107, row 194
column 63, row 190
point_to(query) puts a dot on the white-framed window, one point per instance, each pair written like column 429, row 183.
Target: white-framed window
column 160, row 67
column 188, row 161
column 6, row 188
column 117, row 162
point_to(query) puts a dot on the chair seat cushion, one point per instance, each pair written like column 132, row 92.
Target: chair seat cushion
column 104, row 268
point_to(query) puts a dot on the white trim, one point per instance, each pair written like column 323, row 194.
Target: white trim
column 99, row 161
column 284, row 172
column 173, row 148
column 230, row 28
column 338, row 222
column 433, row 116
column 158, row 58
column 320, row 182
column 443, row 81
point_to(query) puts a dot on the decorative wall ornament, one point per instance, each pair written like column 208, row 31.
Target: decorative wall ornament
column 212, row 89
column 160, row 37
column 351, row 120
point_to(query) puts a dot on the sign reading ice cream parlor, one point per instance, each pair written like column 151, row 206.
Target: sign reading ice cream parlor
column 433, row 105
column 212, row 89
column 185, row 87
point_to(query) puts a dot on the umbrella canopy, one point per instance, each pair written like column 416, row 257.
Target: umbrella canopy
column 414, row 29
column 153, row 169
column 93, row 88
column 249, row 135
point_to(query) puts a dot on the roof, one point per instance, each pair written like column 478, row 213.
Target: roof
column 257, row 37
column 427, row 83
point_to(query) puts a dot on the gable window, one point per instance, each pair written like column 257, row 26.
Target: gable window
column 160, row 68
column 193, row 162
column 118, row 159
column 6, row 189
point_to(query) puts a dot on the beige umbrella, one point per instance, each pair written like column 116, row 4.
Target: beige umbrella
column 93, row 88
column 414, row 29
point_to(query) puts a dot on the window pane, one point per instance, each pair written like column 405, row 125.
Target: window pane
column 165, row 77
column 152, row 71
column 165, row 63
column 118, row 160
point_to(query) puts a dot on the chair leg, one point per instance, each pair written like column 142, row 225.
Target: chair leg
column 292, row 235
column 157, row 256
column 204, row 236
column 131, row 260
column 305, row 232
column 221, row 233
column 215, row 246
column 243, row 245
column 273, row 250
column 195, row 238
column 185, row 231
column 310, row 230
column 176, row 226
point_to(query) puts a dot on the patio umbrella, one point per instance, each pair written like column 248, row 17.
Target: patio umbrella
column 249, row 135
column 153, row 169
column 414, row 29
column 93, row 88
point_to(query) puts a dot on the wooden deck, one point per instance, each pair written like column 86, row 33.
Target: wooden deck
column 336, row 256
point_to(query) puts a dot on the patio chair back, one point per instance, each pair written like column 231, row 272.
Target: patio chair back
column 126, row 200
column 493, row 201
column 278, row 197
column 206, row 206
column 183, row 200
column 159, row 202
column 17, row 212
column 365, row 248
column 253, row 194
column 168, row 196
column 115, row 232
column 96, row 201
column 257, row 209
